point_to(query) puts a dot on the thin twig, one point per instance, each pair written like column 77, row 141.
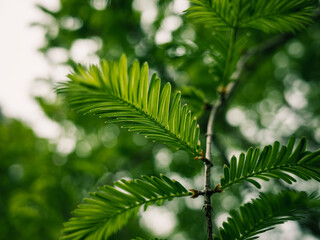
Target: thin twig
column 207, row 167
column 207, row 191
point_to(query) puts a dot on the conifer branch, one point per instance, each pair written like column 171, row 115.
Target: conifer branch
column 220, row 102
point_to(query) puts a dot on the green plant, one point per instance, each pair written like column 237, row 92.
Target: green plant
column 123, row 96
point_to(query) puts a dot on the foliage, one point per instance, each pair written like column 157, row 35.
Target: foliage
column 30, row 183
column 272, row 163
column 263, row 213
column 203, row 58
column 110, row 92
column 268, row 16
column 110, row 209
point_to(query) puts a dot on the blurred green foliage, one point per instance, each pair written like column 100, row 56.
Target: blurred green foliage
column 41, row 181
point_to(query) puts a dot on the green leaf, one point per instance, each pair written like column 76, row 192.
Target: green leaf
column 263, row 213
column 109, row 93
column 216, row 14
column 266, row 15
column 109, row 209
column 277, row 15
column 272, row 163
column 165, row 104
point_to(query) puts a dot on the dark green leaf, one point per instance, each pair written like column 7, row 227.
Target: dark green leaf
column 263, row 213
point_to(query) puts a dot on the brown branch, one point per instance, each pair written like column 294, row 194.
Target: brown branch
column 207, row 167
column 197, row 193
column 207, row 191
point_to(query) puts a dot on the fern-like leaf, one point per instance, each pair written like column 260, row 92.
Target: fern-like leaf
column 263, row 213
column 215, row 14
column 277, row 15
column 128, row 99
column 273, row 163
column 109, row 209
column 219, row 46
column 265, row 15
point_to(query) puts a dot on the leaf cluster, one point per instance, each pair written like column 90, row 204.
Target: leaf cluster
column 269, row 16
column 232, row 22
column 263, row 213
column 126, row 97
column 110, row 208
column 273, row 162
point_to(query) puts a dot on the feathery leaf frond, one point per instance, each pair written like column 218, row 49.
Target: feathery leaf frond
column 219, row 46
column 277, row 15
column 265, row 15
column 216, row 14
column 263, row 213
column 273, row 163
column 109, row 209
column 128, row 99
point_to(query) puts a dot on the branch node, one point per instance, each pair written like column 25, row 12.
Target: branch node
column 195, row 193
column 203, row 159
column 200, row 157
column 207, row 162
column 217, row 189
column 207, row 106
column 222, row 90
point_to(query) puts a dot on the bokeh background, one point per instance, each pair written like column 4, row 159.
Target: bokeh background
column 51, row 157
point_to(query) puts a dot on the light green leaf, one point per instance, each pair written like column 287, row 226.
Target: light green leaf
column 216, row 14
column 272, row 163
column 165, row 104
column 109, row 209
column 109, row 93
